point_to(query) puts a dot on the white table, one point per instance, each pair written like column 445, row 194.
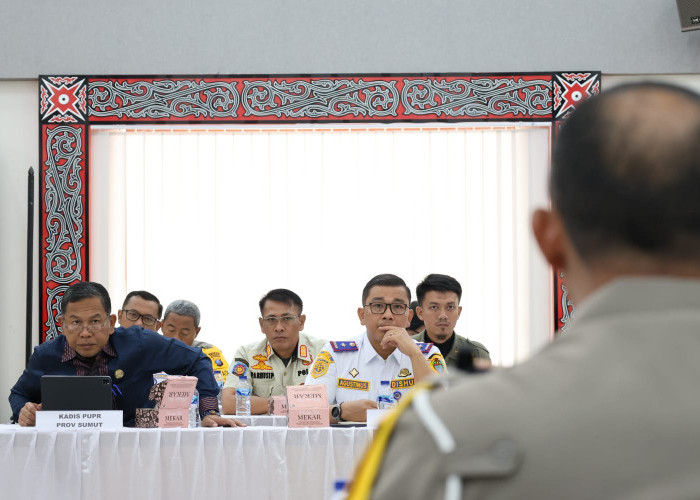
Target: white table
column 261, row 420
column 247, row 463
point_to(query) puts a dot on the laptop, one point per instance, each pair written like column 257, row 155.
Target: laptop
column 76, row 392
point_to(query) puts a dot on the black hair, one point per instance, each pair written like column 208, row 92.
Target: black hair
column 416, row 322
column 282, row 295
column 85, row 290
column 626, row 172
column 145, row 296
column 384, row 280
column 438, row 283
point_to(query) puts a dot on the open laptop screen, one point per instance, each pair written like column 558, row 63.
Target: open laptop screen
column 76, row 392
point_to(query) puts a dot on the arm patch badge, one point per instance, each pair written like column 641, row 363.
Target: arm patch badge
column 239, row 369
column 343, row 346
column 321, row 365
column 437, row 363
column 424, row 346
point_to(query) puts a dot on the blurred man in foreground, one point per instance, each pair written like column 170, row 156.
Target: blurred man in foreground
column 610, row 409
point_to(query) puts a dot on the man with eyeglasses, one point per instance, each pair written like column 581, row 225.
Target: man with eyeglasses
column 281, row 359
column 352, row 370
column 88, row 346
column 181, row 322
column 140, row 308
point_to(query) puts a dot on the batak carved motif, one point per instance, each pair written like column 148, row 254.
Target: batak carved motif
column 70, row 104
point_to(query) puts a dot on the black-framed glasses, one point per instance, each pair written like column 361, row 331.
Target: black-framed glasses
column 93, row 326
column 273, row 320
column 380, row 307
column 146, row 319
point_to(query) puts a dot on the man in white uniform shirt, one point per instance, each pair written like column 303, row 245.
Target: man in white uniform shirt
column 353, row 369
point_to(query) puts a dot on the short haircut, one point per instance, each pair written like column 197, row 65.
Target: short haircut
column 384, row 280
column 85, row 290
column 145, row 296
column 183, row 308
column 438, row 283
column 416, row 322
column 626, row 173
column 282, row 295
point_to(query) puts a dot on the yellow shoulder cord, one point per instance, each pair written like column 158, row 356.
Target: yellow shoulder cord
column 368, row 467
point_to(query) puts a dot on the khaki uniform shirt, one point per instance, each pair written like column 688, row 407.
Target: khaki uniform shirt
column 461, row 344
column 266, row 372
column 609, row 409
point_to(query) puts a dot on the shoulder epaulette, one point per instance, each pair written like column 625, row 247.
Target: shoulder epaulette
column 343, row 346
column 425, row 347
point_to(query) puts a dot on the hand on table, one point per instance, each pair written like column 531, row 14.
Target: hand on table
column 217, row 421
column 356, row 411
column 27, row 415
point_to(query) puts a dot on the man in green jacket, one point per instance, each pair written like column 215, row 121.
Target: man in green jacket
column 438, row 306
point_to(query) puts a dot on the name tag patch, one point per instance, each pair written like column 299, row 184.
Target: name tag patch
column 356, row 385
column 403, row 383
column 262, row 375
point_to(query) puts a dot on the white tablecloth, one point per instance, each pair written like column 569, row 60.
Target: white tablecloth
column 249, row 463
column 262, row 420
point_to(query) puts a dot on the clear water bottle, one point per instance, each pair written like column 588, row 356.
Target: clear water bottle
column 385, row 399
column 194, row 410
column 339, row 492
column 243, row 397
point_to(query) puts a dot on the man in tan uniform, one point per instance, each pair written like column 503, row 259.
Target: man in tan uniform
column 282, row 358
column 610, row 409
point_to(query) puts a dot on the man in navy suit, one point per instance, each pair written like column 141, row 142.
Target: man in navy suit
column 90, row 345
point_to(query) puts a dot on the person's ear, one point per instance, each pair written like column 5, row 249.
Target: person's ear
column 112, row 322
column 361, row 315
column 196, row 331
column 302, row 320
column 549, row 232
column 419, row 312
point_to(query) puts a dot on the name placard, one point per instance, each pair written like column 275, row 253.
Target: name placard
column 80, row 420
column 375, row 417
column 308, row 406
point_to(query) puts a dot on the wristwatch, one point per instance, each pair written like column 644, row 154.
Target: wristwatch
column 335, row 412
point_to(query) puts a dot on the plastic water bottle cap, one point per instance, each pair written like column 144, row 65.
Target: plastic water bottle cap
column 339, row 485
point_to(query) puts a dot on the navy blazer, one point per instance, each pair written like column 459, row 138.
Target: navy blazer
column 140, row 354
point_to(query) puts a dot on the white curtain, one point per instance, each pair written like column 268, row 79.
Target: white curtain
column 220, row 217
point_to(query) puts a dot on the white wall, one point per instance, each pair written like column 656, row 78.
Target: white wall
column 321, row 36
column 19, row 145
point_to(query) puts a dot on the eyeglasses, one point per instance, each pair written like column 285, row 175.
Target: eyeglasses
column 146, row 319
column 93, row 326
column 273, row 320
column 380, row 307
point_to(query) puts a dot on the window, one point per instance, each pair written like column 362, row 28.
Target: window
column 220, row 217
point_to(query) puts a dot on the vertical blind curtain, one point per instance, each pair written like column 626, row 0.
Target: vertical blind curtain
column 220, row 217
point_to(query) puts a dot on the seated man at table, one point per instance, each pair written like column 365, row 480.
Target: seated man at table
column 353, row 369
column 282, row 358
column 88, row 346
column 438, row 306
column 181, row 322
column 140, row 308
